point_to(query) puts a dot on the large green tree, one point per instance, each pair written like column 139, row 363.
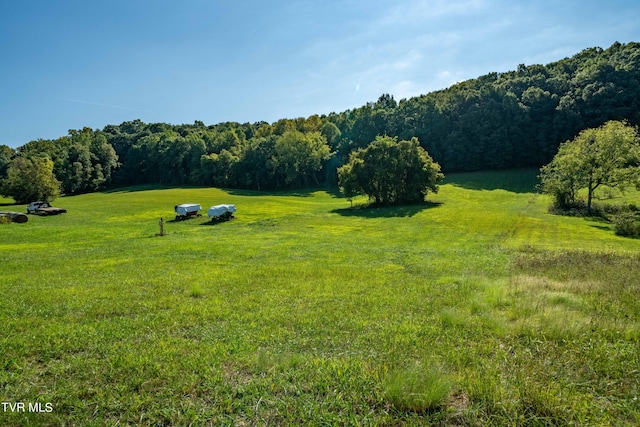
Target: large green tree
column 608, row 155
column 300, row 156
column 390, row 172
column 30, row 179
column 6, row 154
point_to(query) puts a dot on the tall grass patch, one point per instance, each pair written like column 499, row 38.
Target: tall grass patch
column 577, row 313
column 417, row 389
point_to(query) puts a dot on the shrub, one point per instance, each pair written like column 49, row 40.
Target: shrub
column 577, row 208
column 627, row 224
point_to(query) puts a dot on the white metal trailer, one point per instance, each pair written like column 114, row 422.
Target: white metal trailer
column 187, row 210
column 219, row 212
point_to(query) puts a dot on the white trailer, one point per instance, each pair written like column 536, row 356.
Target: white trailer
column 221, row 212
column 187, row 210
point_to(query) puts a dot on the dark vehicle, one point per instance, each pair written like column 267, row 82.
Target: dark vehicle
column 43, row 208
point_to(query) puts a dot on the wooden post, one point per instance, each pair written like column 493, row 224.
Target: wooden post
column 161, row 227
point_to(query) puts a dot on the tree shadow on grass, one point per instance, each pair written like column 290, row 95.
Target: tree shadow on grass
column 515, row 181
column 602, row 227
column 373, row 211
column 301, row 192
column 143, row 187
column 217, row 221
column 287, row 193
column 178, row 220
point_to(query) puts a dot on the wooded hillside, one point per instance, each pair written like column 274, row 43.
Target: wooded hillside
column 497, row 121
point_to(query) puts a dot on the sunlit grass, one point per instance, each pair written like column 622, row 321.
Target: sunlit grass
column 303, row 311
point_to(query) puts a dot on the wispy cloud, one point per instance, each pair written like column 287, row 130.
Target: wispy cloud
column 99, row 104
column 399, row 50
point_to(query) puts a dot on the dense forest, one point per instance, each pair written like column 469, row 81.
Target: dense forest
column 497, row 121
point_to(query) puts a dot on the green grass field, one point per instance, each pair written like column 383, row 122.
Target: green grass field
column 477, row 308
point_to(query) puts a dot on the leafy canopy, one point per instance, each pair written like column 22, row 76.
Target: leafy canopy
column 30, row 179
column 390, row 172
column 607, row 155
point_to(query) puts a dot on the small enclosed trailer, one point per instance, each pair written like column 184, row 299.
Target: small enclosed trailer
column 221, row 212
column 187, row 210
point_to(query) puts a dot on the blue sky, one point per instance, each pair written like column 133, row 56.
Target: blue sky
column 67, row 64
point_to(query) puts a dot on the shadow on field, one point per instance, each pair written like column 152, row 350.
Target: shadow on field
column 304, row 192
column 217, row 221
column 143, row 187
column 178, row 220
column 602, row 227
column 367, row 211
column 516, row 181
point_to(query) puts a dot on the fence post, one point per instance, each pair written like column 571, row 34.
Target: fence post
column 161, row 226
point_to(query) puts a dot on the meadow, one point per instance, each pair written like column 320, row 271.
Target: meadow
column 477, row 308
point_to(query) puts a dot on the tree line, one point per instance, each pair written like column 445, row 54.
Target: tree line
column 497, row 121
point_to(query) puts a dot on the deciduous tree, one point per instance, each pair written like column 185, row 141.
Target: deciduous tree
column 390, row 172
column 608, row 155
column 6, row 154
column 30, row 179
column 300, row 156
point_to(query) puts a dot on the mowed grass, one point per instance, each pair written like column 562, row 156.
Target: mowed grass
column 477, row 308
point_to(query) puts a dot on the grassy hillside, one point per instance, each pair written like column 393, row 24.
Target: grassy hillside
column 477, row 308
